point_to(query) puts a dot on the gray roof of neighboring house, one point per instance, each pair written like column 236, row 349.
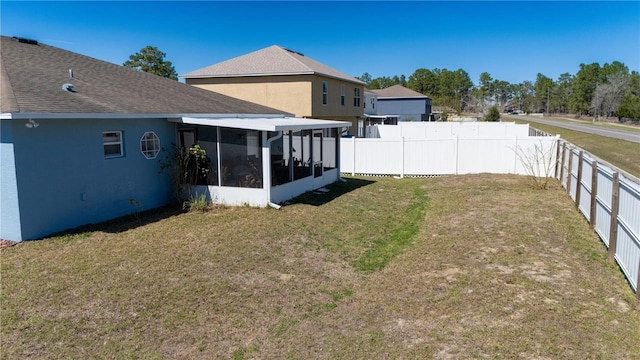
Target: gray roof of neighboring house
column 273, row 60
column 398, row 92
column 32, row 78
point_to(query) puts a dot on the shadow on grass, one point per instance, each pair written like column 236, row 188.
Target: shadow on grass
column 121, row 224
column 335, row 190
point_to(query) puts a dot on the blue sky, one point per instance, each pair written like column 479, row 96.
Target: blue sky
column 511, row 40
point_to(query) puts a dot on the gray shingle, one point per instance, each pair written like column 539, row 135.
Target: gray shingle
column 398, row 91
column 32, row 77
column 273, row 60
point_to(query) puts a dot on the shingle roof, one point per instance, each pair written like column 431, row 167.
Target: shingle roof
column 274, row 60
column 398, row 91
column 32, row 77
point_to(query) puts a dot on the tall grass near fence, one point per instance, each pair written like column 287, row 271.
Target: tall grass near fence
column 609, row 198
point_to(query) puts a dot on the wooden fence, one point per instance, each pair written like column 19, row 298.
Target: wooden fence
column 609, row 198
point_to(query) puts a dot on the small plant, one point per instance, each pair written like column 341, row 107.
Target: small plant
column 196, row 203
column 189, row 166
column 538, row 162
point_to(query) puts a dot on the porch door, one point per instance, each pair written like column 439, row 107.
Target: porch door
column 318, row 167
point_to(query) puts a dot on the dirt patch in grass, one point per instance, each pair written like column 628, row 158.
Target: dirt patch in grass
column 490, row 269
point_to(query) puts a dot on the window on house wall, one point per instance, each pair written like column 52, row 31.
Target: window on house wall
column 112, row 142
column 325, row 93
column 356, row 97
column 342, row 92
column 150, row 145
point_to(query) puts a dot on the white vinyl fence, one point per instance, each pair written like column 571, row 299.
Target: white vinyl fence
column 448, row 155
column 610, row 200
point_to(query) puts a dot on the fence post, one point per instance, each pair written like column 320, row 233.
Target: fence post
column 456, row 154
column 402, row 157
column 613, row 229
column 564, row 150
column 558, row 158
column 638, row 288
column 594, row 194
column 569, row 172
column 515, row 157
column 579, row 181
column 353, row 169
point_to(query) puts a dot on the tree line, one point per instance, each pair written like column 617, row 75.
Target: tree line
column 610, row 90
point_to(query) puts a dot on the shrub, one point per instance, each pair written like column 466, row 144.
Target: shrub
column 196, row 203
column 493, row 114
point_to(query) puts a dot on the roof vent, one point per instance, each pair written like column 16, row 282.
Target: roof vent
column 25, row 40
column 68, row 87
column 71, row 73
column 295, row 52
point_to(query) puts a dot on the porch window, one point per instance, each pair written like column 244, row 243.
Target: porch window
column 330, row 153
column 301, row 152
column 325, row 93
column 150, row 145
column 241, row 158
column 112, row 143
column 280, row 158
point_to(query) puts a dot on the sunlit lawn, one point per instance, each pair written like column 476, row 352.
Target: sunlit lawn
column 478, row 266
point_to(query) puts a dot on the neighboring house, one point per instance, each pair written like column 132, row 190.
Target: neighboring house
column 370, row 102
column 371, row 116
column 407, row 104
column 83, row 141
column 287, row 80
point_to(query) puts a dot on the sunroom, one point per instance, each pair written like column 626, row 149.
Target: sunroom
column 260, row 161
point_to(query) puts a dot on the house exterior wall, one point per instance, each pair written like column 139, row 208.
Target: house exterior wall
column 291, row 94
column 407, row 109
column 300, row 95
column 65, row 181
column 9, row 207
column 371, row 103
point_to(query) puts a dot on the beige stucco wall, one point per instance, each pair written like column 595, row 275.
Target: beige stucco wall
column 334, row 109
column 291, row 94
column 300, row 95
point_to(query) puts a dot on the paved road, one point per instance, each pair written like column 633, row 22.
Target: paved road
column 613, row 133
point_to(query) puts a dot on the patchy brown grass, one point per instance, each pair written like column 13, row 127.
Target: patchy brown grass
column 490, row 269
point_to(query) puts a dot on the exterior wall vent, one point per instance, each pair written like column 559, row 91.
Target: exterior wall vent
column 25, row 40
column 293, row 51
column 68, row 87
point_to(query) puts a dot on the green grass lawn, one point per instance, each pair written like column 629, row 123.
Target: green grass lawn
column 478, row 266
column 621, row 153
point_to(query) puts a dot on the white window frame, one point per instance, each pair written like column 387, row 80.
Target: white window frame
column 325, row 93
column 342, row 94
column 150, row 147
column 356, row 97
column 119, row 142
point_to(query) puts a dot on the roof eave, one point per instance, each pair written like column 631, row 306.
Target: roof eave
column 210, row 76
column 25, row 116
